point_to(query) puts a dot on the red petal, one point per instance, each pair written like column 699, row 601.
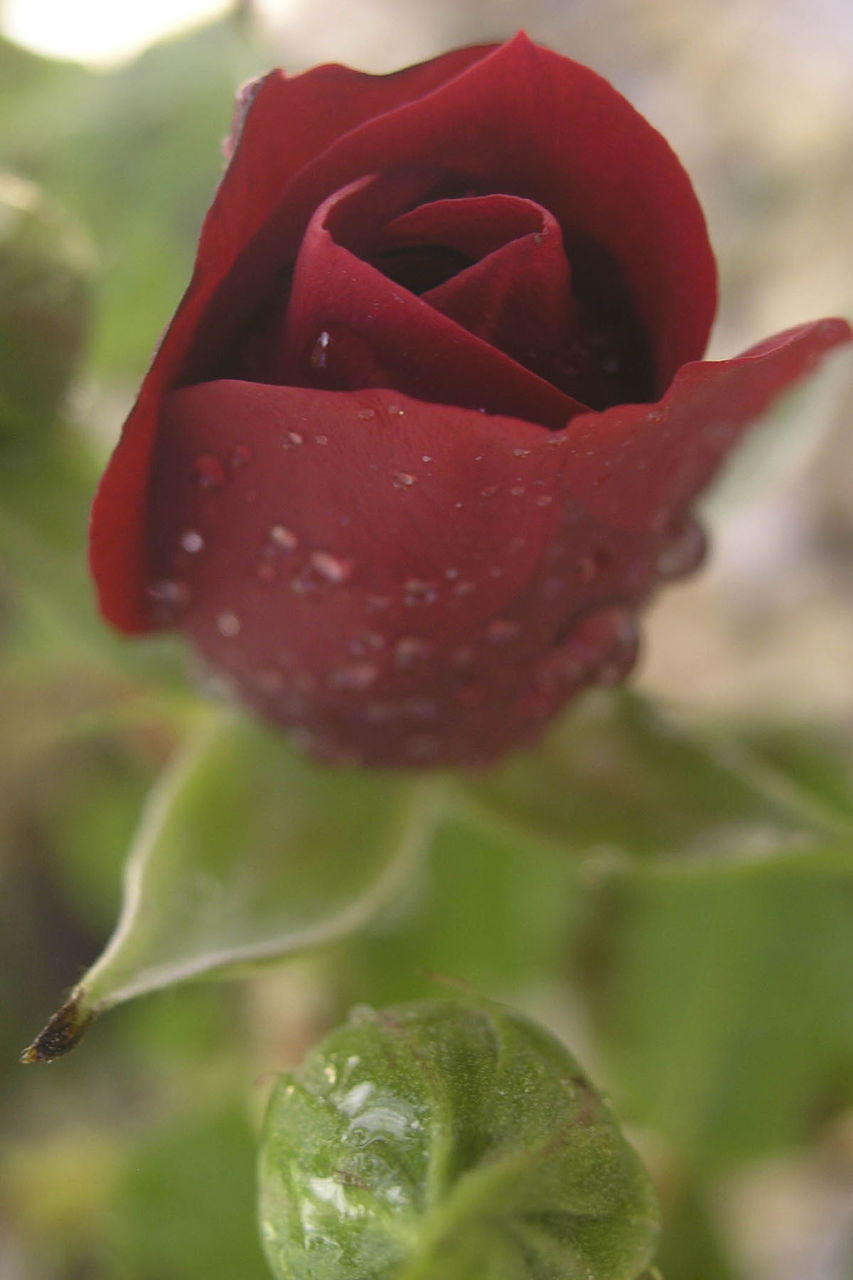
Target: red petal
column 286, row 123
column 528, row 122
column 634, row 464
column 405, row 582
column 376, row 333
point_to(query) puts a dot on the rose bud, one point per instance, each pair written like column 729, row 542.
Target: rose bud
column 448, row 1139
column 423, row 436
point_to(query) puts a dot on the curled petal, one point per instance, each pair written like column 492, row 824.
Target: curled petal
column 634, row 465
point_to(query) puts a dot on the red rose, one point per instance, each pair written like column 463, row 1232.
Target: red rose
column 423, row 434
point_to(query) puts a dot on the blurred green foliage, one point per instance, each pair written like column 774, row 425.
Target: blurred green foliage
column 680, row 911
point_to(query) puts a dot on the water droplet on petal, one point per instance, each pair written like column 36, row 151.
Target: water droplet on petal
column 228, row 624
column 517, row 490
column 284, row 539
column 366, row 642
column 410, row 650
column 419, row 591
column 367, row 414
column 403, row 480
column 591, row 566
column 192, row 542
column 295, row 438
column 683, row 550
column 489, row 491
column 503, row 630
column 209, row 470
column 354, row 676
column 396, row 410
column 544, row 500
column 240, row 455
column 425, row 457
column 168, row 591
column 319, row 355
column 321, row 439
column 332, row 568
column 521, row 453
column 270, row 681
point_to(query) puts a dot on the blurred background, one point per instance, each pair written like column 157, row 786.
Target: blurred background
column 133, row 1159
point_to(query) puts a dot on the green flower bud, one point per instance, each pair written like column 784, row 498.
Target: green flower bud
column 446, row 1140
column 45, row 274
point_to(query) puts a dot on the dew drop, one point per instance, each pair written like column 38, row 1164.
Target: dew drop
column 353, row 676
column 209, row 470
column 419, row 591
column 403, row 480
column 410, row 650
column 192, row 542
column 333, row 569
column 228, row 624
column 240, row 455
column 396, row 410
column 367, row 414
column 425, row 457
column 319, row 356
column 521, row 453
column 503, row 630
column 295, row 438
column 517, row 490
column 270, row 681
column 283, row 538
column 489, row 491
column 544, row 500
column 683, row 550
column 366, row 642
column 591, row 566
column 321, row 439
column 168, row 591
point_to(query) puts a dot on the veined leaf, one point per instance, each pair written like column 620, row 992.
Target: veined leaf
column 248, row 852
column 619, row 778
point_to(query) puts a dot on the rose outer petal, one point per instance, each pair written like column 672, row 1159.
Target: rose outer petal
column 524, row 121
column 408, row 586
column 633, row 465
column 281, row 124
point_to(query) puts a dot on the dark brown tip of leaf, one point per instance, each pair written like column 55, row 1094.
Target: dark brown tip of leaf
column 64, row 1030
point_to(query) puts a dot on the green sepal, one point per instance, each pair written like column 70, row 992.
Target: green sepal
column 449, row 1139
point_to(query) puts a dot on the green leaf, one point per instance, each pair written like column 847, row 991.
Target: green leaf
column 448, row 1139
column 618, row 777
column 248, row 852
column 721, row 995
